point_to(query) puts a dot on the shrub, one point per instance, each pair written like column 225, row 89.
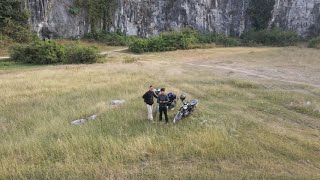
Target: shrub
column 207, row 38
column 139, row 46
column 109, row 38
column 74, row 10
column 227, row 41
column 314, row 43
column 274, row 37
column 5, row 41
column 259, row 12
column 50, row 52
column 79, row 54
column 219, row 39
column 39, row 52
column 18, row 32
column 178, row 40
column 166, row 41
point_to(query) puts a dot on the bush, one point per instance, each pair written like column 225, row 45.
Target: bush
column 79, row 54
column 50, row 52
column 219, row 39
column 260, row 13
column 178, row 40
column 207, row 38
column 139, row 46
column 18, row 32
column 109, row 38
column 5, row 41
column 185, row 39
column 166, row 41
column 314, row 43
column 39, row 52
column 227, row 41
column 274, row 37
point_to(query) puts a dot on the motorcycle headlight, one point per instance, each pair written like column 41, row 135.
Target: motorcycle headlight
column 185, row 107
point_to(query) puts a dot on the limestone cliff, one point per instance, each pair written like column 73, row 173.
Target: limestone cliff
column 53, row 18
column 149, row 17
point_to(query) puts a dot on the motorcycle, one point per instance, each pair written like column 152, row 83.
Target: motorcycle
column 186, row 108
column 170, row 105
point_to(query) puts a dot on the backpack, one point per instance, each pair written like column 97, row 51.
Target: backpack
column 171, row 96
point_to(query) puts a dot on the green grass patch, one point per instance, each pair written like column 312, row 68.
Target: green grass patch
column 274, row 37
column 241, row 129
column 314, row 43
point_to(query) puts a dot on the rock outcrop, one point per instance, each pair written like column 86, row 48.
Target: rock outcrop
column 301, row 16
column 149, row 17
column 54, row 18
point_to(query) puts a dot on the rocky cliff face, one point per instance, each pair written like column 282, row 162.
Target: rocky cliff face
column 149, row 17
column 301, row 16
column 54, row 18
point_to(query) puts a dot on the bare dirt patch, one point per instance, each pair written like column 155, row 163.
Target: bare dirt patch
column 290, row 65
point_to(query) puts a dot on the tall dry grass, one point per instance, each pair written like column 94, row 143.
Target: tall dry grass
column 241, row 129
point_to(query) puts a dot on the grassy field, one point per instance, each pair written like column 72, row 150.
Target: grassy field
column 246, row 127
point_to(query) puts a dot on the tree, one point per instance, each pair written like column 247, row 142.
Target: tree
column 13, row 10
column 14, row 21
column 100, row 13
column 260, row 13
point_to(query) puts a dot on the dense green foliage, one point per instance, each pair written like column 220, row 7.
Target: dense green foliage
column 14, row 21
column 16, row 32
column 219, row 39
column 259, row 12
column 314, row 43
column 50, row 52
column 164, row 42
column 109, row 38
column 185, row 39
column 79, row 54
column 39, row 52
column 274, row 37
column 100, row 12
column 14, row 10
column 5, row 41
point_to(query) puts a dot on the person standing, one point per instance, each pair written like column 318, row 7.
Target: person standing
column 148, row 99
column 163, row 101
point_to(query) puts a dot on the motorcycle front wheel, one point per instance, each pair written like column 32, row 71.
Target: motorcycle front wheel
column 155, row 111
column 178, row 117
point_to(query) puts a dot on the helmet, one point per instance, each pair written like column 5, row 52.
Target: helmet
column 157, row 91
column 183, row 97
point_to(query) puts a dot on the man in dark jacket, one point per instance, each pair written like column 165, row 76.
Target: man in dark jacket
column 163, row 101
column 148, row 99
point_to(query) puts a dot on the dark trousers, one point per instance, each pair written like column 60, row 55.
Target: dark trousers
column 165, row 111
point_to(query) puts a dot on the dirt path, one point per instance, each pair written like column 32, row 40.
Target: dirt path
column 265, row 75
column 116, row 50
column 4, row 57
column 288, row 73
